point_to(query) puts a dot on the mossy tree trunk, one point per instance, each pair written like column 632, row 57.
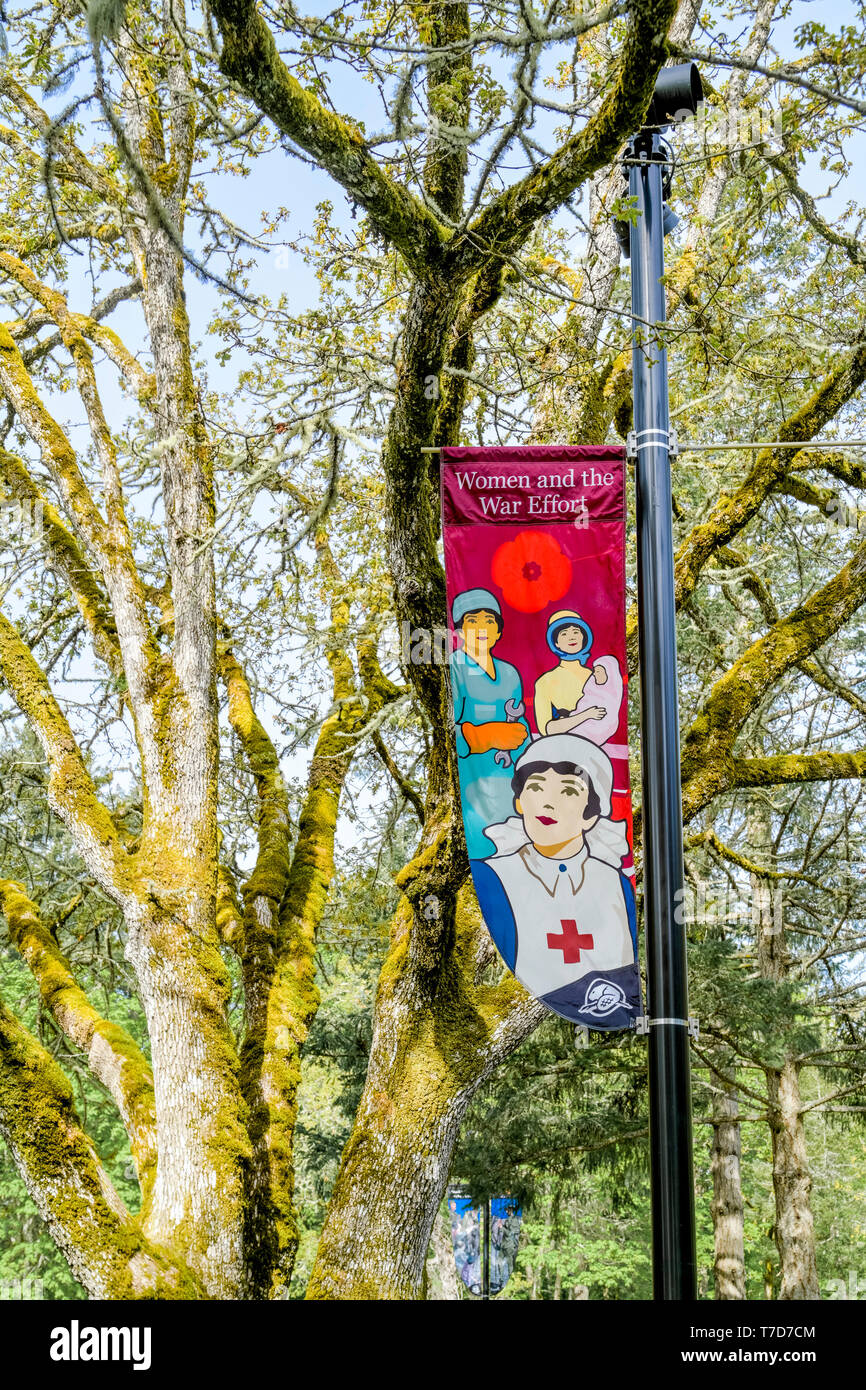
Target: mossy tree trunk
column 210, row 1125
column 794, row 1227
column 439, row 1030
column 792, row 1187
column 729, row 1265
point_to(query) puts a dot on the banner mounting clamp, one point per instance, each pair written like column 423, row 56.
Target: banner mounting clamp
column 643, row 1024
column 651, row 439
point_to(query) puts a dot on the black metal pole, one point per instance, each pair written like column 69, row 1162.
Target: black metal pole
column 485, row 1275
column 673, row 1217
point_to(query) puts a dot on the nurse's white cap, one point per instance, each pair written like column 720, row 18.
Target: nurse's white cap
column 571, row 748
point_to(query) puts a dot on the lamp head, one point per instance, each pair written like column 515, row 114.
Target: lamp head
column 678, row 91
column 669, row 219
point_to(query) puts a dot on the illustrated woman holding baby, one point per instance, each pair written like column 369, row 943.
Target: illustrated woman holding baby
column 571, row 698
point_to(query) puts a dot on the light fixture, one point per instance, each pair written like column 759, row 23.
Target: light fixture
column 669, row 219
column 678, row 92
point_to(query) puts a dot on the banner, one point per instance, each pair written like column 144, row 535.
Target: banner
column 535, row 567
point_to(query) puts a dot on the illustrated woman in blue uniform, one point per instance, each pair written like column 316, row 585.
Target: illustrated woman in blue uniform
column 488, row 715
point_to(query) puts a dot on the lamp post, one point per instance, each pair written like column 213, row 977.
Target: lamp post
column 677, row 93
column 485, row 1251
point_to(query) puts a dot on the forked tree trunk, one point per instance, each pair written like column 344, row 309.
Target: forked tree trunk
column 197, row 1202
column 438, row 1034
column 729, row 1270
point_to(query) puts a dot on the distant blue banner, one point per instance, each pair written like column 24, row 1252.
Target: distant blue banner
column 467, row 1237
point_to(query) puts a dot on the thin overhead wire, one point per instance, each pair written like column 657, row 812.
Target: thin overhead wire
column 691, row 447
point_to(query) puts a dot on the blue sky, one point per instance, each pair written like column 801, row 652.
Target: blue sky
column 278, row 179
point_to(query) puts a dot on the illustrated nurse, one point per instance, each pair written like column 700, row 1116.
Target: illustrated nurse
column 553, row 895
column 488, row 716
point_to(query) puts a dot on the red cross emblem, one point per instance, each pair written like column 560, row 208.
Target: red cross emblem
column 571, row 943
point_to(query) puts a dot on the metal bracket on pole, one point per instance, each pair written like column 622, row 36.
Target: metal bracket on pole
column 643, row 1024
column 648, row 439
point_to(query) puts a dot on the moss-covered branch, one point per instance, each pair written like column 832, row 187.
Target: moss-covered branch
column 81, row 353
column 89, row 326
column 803, row 491
column 751, row 581
column 67, row 160
column 503, row 226
column 710, row 840
column 707, row 753
column 229, row 913
column 823, row 678
column 250, row 58
column 57, row 452
column 402, row 783
column 755, row 585
column 791, row 768
column 71, row 792
column 61, row 1169
column 847, row 468
column 444, row 24
column 268, row 879
column 732, row 513
column 67, row 558
column 113, row 1056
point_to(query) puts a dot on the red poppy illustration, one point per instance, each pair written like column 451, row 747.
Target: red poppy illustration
column 531, row 571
